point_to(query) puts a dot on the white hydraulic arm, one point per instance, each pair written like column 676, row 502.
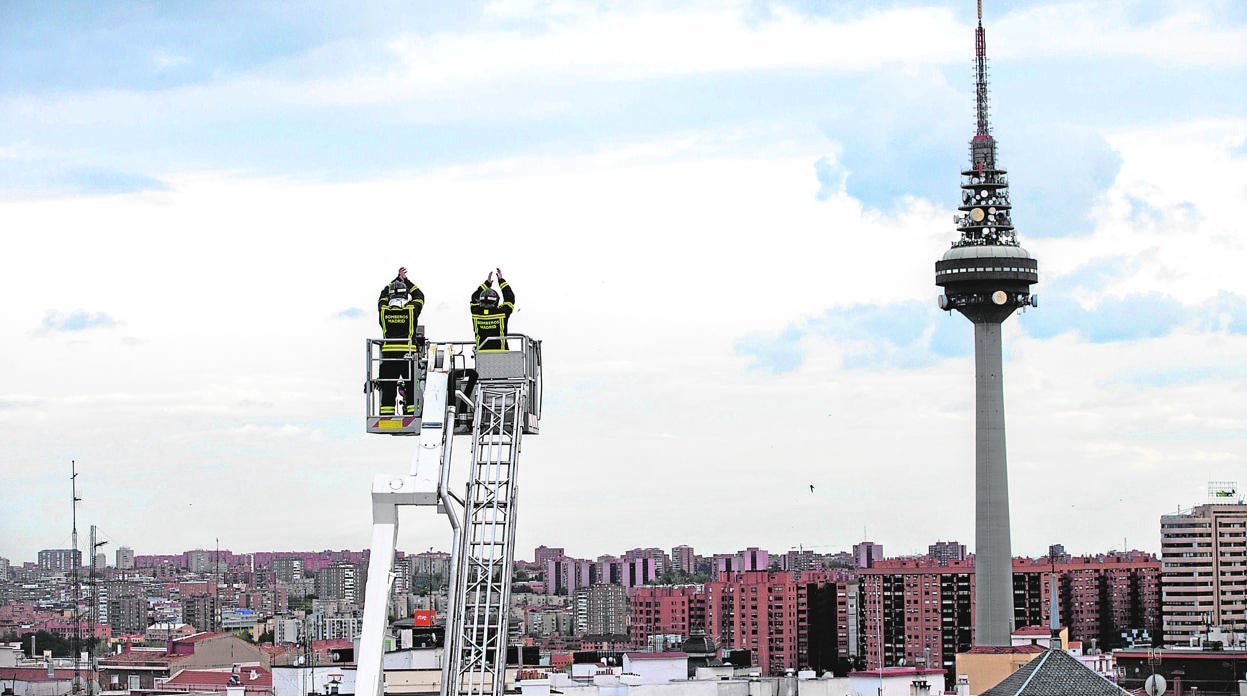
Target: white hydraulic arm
column 420, row 487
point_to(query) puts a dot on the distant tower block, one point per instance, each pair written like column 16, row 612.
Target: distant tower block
column 986, row 275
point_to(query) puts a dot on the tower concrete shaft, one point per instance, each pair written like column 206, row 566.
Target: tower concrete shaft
column 993, row 554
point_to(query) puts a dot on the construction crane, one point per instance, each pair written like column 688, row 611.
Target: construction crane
column 493, row 398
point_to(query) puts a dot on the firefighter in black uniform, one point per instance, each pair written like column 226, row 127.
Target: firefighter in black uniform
column 489, row 318
column 398, row 310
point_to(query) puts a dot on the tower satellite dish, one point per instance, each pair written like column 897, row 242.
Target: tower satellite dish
column 1155, row 685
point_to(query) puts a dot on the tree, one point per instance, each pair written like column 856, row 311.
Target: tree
column 304, row 603
column 678, row 577
column 60, row 647
column 426, row 583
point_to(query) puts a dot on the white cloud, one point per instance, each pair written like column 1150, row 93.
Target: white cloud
column 1191, row 35
column 230, row 375
column 162, row 60
column 1175, row 229
column 228, row 291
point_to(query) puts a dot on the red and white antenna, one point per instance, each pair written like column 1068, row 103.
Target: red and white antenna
column 980, row 77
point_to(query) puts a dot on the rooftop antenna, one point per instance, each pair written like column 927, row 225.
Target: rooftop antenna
column 216, row 587
column 1054, row 618
column 77, row 579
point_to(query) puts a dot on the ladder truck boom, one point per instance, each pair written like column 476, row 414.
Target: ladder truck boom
column 494, row 398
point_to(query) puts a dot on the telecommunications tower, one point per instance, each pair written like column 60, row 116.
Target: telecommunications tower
column 986, row 275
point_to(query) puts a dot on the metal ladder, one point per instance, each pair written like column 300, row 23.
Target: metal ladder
column 477, row 666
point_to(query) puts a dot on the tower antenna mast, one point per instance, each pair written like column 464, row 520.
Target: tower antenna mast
column 980, row 78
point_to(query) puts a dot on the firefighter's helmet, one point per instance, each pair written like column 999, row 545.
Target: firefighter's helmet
column 397, row 294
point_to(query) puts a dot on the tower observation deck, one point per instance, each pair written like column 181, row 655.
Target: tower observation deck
column 986, row 276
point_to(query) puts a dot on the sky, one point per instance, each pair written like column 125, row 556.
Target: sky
column 720, row 218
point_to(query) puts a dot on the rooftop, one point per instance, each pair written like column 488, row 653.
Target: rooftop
column 1055, row 673
column 656, row 655
column 247, row 676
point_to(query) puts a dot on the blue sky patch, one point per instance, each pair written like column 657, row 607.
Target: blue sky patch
column 910, row 335
column 899, row 336
column 1159, row 378
column 76, row 321
column 48, row 178
column 779, row 355
column 1136, row 317
column 93, row 181
column 1095, row 275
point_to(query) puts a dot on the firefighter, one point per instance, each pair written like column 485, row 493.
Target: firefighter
column 489, row 318
column 398, row 311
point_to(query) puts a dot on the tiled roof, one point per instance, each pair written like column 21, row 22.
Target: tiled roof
column 137, row 658
column 1032, row 631
column 198, row 637
column 204, row 677
column 1055, row 673
column 38, row 674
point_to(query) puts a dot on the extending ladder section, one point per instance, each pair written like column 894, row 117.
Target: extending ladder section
column 477, row 657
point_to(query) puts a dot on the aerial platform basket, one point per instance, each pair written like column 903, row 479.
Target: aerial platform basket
column 519, row 366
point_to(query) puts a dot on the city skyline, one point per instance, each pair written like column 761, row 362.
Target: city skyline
column 203, row 560
column 187, row 187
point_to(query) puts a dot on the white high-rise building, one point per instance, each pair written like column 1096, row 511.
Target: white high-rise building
column 1203, row 570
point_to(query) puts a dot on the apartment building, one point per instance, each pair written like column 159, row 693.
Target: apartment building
column 60, row 560
column 664, row 610
column 917, row 609
column 765, row 613
column 601, row 610
column 683, row 559
column 1204, row 573
column 340, row 581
